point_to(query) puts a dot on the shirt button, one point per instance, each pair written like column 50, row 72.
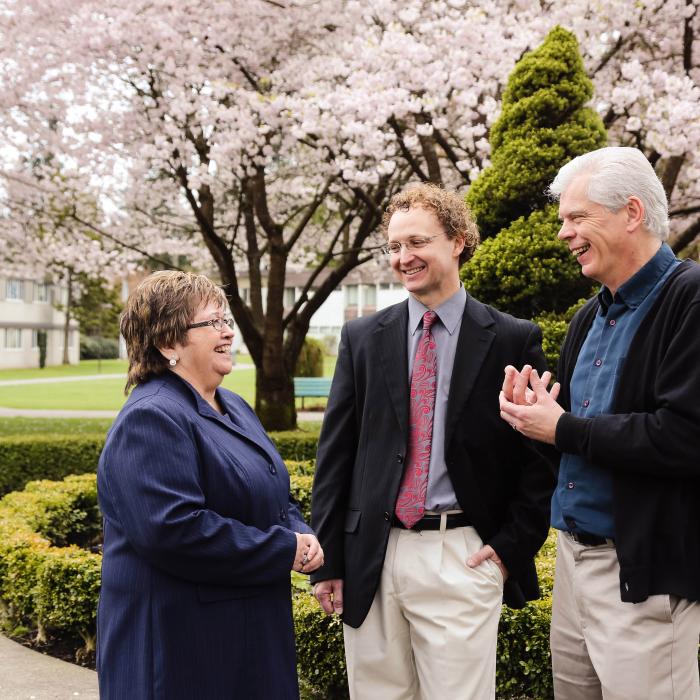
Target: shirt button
column 273, row 469
column 612, row 321
column 586, row 403
column 399, row 459
column 570, row 485
column 598, row 363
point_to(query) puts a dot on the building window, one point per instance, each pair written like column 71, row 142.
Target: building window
column 385, row 286
column 13, row 338
column 245, row 294
column 41, row 292
column 288, row 297
column 370, row 295
column 35, row 339
column 13, row 290
column 351, row 295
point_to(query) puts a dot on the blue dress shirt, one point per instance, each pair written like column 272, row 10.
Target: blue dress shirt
column 582, row 500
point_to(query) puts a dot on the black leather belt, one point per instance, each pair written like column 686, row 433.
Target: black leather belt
column 432, row 522
column 589, row 539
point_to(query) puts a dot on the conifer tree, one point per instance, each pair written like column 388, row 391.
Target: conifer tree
column 543, row 124
column 521, row 267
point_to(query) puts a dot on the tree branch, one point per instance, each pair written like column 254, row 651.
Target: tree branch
column 404, row 150
column 686, row 237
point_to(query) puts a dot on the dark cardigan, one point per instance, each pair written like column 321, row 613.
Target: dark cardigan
column 651, row 441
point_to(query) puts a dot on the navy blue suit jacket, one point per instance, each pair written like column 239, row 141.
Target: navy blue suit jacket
column 198, row 547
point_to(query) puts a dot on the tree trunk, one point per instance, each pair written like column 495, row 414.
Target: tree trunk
column 66, row 325
column 274, row 394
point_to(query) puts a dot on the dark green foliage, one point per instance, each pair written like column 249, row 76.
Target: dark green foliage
column 300, row 486
column 51, row 456
column 55, row 590
column 98, row 348
column 27, row 457
column 543, row 124
column 41, row 342
column 295, row 444
column 554, row 327
column 97, row 307
column 41, row 586
column 320, row 651
column 310, row 362
column 526, row 270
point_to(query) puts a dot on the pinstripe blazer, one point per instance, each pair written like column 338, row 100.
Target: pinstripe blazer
column 198, row 548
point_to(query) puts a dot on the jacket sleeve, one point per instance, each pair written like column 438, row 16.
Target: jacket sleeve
column 664, row 441
column 149, row 485
column 334, row 464
column 527, row 525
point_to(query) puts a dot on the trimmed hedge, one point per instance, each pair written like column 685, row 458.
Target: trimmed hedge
column 24, row 458
column 55, row 589
column 52, row 588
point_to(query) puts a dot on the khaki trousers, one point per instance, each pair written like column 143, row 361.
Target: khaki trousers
column 604, row 648
column 431, row 631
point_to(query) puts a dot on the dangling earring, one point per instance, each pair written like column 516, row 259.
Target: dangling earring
column 173, row 361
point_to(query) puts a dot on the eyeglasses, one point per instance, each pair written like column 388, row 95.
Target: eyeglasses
column 216, row 323
column 413, row 243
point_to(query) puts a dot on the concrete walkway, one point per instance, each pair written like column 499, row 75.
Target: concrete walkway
column 30, row 675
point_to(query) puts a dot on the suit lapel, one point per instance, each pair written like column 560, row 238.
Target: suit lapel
column 252, row 432
column 473, row 344
column 391, row 337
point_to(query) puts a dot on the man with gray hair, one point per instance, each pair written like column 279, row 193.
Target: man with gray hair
column 625, row 616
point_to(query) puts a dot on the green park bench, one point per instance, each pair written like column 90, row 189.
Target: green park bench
column 311, row 386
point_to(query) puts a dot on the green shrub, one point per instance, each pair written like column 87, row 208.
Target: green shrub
column 66, row 593
column 50, row 588
column 295, row 445
column 300, row 486
column 554, row 327
column 310, row 361
column 320, row 651
column 543, row 124
column 97, row 348
column 55, row 589
column 525, row 270
column 27, row 457
column 49, row 456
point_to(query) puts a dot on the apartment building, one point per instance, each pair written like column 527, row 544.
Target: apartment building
column 26, row 307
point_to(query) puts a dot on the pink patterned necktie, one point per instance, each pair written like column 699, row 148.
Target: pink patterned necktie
column 410, row 505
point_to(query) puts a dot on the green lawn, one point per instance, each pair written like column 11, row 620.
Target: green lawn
column 98, row 394
column 108, row 394
column 84, row 368
column 64, row 426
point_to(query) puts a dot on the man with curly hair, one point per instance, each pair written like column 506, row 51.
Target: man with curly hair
column 429, row 508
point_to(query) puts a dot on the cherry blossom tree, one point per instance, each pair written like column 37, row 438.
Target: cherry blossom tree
column 254, row 136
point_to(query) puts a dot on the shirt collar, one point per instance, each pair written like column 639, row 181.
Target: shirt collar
column 449, row 312
column 633, row 292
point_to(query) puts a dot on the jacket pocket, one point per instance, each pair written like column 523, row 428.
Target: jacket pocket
column 352, row 520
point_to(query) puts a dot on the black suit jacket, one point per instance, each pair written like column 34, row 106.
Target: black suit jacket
column 501, row 482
